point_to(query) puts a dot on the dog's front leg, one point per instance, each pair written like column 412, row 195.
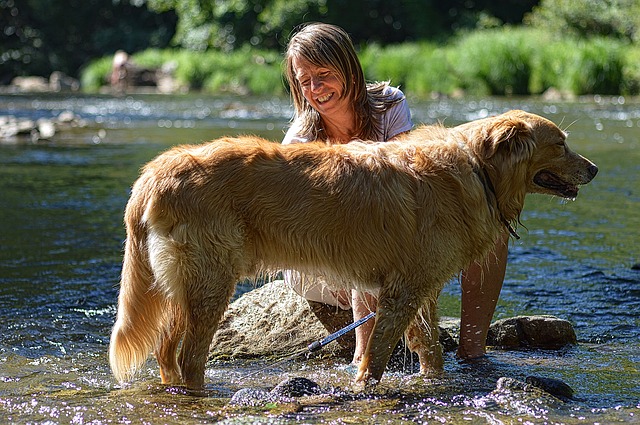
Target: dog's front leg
column 422, row 338
column 394, row 313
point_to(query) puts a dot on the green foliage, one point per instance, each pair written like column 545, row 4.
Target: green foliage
column 421, row 68
column 242, row 71
column 631, row 71
column 229, row 24
column 580, row 66
column 495, row 61
column 512, row 61
column 596, row 67
column 585, row 18
column 501, row 61
column 96, row 74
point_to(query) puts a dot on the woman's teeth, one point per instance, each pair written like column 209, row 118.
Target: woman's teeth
column 325, row 98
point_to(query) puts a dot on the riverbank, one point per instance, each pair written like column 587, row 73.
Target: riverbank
column 501, row 62
column 505, row 61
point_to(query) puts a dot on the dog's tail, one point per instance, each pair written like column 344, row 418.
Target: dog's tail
column 143, row 310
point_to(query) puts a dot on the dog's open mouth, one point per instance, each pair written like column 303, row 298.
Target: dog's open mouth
column 551, row 181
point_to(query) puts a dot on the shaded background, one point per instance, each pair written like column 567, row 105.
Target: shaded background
column 41, row 36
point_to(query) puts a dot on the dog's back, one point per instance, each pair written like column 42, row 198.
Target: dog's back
column 344, row 209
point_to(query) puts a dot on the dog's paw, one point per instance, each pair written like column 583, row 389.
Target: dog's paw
column 365, row 386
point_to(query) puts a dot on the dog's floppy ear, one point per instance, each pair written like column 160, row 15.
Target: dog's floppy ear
column 511, row 135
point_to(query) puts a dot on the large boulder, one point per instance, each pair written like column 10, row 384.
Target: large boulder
column 544, row 332
column 269, row 320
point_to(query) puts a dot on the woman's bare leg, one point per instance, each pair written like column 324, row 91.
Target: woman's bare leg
column 481, row 285
column 362, row 304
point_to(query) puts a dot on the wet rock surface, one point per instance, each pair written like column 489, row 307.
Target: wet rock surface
column 250, row 397
column 519, row 398
column 555, row 387
column 536, row 389
column 544, row 332
column 296, row 387
column 285, row 392
column 14, row 129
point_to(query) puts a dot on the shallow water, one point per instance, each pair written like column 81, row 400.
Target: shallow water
column 61, row 239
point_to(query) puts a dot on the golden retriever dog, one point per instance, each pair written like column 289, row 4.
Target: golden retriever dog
column 400, row 217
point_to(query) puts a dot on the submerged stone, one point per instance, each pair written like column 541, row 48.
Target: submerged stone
column 295, row 387
column 553, row 386
column 250, row 397
column 284, row 393
column 535, row 387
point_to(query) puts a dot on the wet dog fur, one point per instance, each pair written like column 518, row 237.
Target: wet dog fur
column 400, row 217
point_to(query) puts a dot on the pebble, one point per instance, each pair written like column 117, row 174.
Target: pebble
column 296, row 387
column 284, row 392
column 555, row 387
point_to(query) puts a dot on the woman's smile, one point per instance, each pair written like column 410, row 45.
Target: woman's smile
column 325, row 98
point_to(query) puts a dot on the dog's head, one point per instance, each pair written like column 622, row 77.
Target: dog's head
column 537, row 147
column 526, row 153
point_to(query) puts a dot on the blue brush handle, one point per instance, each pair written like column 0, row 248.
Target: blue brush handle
column 314, row 346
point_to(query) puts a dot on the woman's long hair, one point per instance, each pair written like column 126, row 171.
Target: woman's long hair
column 329, row 46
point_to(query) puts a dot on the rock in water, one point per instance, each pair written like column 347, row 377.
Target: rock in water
column 250, row 397
column 546, row 332
column 555, row 387
column 295, row 387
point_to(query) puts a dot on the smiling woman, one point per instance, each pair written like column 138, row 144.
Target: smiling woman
column 331, row 98
column 323, row 89
column 333, row 102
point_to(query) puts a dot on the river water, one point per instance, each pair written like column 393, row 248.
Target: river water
column 61, row 235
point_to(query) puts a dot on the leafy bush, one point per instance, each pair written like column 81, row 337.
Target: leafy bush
column 597, row 68
column 419, row 67
column 495, row 62
column 579, row 66
column 96, row 74
column 631, row 71
column 245, row 70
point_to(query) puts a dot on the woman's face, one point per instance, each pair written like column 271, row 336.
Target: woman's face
column 321, row 87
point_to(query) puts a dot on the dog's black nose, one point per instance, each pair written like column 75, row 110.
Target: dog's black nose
column 593, row 170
